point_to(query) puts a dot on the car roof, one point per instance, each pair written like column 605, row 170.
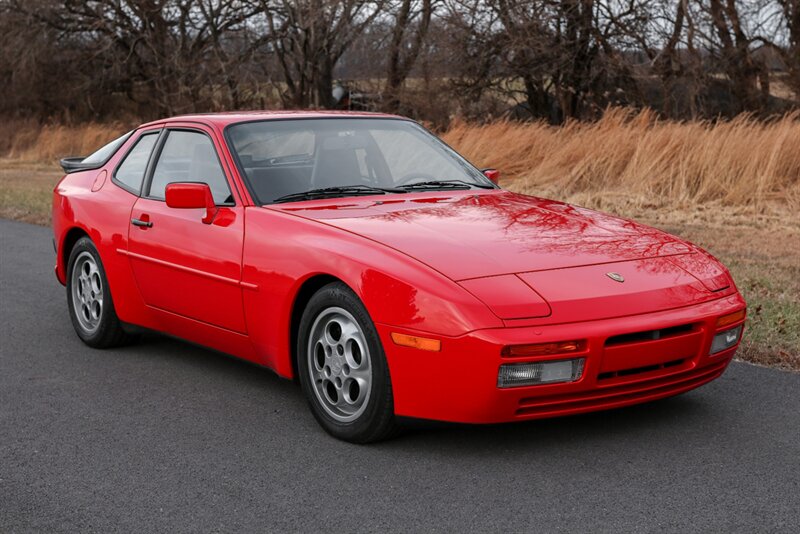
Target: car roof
column 223, row 119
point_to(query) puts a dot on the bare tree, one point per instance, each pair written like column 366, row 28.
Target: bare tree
column 567, row 56
column 736, row 57
column 552, row 59
column 780, row 32
column 308, row 37
column 473, row 49
column 166, row 53
column 411, row 21
column 790, row 10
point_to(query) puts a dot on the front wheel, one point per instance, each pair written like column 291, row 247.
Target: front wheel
column 89, row 298
column 342, row 367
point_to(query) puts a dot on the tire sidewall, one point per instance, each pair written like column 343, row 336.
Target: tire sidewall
column 380, row 406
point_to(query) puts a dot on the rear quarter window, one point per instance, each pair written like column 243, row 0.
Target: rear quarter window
column 130, row 172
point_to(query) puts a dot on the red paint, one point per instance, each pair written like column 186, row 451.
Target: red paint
column 191, row 196
column 477, row 269
column 492, row 174
column 99, row 180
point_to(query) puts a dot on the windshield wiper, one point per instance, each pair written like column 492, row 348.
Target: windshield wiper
column 444, row 184
column 338, row 191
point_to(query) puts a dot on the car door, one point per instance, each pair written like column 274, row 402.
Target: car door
column 181, row 264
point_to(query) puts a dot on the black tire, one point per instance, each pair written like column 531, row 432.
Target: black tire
column 108, row 331
column 376, row 420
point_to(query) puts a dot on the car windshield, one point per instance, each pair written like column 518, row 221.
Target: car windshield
column 285, row 159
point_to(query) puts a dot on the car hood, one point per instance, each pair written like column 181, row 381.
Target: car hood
column 469, row 234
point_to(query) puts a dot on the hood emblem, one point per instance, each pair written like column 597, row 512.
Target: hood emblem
column 616, row 277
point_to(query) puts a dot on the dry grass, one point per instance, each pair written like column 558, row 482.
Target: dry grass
column 643, row 160
column 26, row 190
column 732, row 187
column 29, row 141
column 627, row 158
column 765, row 263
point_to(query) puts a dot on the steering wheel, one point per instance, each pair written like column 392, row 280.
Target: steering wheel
column 415, row 177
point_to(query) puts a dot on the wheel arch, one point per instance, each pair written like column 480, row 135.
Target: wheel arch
column 71, row 237
column 303, row 295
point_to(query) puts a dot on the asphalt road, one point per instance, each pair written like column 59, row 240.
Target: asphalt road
column 167, row 436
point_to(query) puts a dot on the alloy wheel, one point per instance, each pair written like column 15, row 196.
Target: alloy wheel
column 339, row 364
column 87, row 292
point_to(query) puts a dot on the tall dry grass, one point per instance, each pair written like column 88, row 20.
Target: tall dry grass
column 742, row 162
column 26, row 140
column 632, row 157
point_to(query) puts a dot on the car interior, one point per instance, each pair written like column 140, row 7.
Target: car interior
column 189, row 157
column 289, row 157
column 337, row 161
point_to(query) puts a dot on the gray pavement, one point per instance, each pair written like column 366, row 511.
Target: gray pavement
column 167, row 436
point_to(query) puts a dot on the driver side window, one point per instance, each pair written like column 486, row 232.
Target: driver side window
column 189, row 157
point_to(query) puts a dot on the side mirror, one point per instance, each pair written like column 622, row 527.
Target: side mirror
column 191, row 195
column 492, row 174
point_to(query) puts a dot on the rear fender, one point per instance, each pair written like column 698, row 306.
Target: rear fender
column 104, row 216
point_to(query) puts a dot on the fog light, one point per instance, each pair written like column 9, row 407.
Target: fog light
column 725, row 340
column 528, row 374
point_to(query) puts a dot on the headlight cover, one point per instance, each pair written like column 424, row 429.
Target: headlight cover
column 508, row 296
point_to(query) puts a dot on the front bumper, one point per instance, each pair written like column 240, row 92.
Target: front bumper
column 459, row 384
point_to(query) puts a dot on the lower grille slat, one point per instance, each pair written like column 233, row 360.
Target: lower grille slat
column 651, row 335
column 640, row 370
column 620, row 394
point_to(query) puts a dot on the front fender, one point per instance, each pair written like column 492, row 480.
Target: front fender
column 282, row 251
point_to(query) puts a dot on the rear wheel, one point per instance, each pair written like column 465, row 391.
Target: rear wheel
column 89, row 298
column 342, row 367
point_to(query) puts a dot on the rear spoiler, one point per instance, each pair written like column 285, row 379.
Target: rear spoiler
column 75, row 164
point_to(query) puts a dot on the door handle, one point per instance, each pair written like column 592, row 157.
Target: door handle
column 144, row 224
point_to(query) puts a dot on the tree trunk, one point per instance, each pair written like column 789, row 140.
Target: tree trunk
column 324, row 84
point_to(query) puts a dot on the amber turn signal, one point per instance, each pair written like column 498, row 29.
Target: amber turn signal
column 543, row 349
column 730, row 318
column 422, row 343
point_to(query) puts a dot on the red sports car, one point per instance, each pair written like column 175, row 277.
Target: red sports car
column 360, row 255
